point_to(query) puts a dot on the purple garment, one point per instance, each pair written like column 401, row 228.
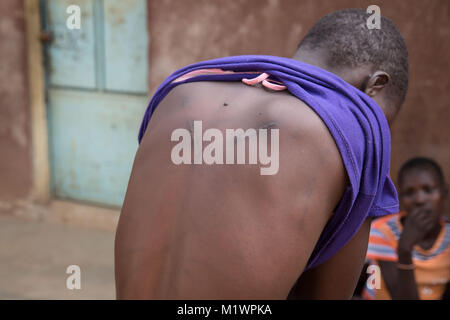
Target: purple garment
column 356, row 122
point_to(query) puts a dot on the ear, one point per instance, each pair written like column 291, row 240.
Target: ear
column 376, row 83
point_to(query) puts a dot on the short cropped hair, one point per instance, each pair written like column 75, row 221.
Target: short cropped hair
column 350, row 43
column 423, row 164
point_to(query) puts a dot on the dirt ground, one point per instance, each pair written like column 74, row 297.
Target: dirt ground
column 34, row 257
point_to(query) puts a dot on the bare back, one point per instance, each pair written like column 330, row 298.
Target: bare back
column 204, row 231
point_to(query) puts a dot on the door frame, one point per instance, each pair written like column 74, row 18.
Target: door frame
column 40, row 191
column 64, row 211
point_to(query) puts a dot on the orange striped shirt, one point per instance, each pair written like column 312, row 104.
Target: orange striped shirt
column 432, row 266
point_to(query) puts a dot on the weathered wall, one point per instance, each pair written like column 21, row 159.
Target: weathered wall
column 183, row 32
column 186, row 31
column 15, row 142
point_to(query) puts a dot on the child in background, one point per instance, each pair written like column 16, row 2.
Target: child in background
column 412, row 247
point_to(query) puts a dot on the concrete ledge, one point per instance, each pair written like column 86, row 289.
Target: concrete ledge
column 83, row 215
column 66, row 212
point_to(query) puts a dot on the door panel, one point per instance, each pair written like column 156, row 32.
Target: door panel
column 94, row 143
column 97, row 94
column 72, row 53
column 125, row 54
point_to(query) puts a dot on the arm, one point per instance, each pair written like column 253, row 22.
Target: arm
column 406, row 286
column 446, row 295
column 401, row 283
column 336, row 278
column 357, row 295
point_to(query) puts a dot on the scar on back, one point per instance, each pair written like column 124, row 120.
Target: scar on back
column 269, row 125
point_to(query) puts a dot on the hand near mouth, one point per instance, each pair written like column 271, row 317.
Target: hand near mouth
column 417, row 224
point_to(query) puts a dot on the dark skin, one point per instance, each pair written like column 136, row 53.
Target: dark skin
column 446, row 295
column 183, row 235
column 421, row 197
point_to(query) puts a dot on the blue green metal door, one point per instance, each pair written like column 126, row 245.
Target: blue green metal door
column 97, row 93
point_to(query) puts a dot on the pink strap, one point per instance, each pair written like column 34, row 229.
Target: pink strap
column 258, row 79
column 263, row 78
column 273, row 86
column 200, row 72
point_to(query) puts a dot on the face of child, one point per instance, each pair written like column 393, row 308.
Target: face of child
column 420, row 188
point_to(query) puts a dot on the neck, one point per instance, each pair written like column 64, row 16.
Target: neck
column 315, row 58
